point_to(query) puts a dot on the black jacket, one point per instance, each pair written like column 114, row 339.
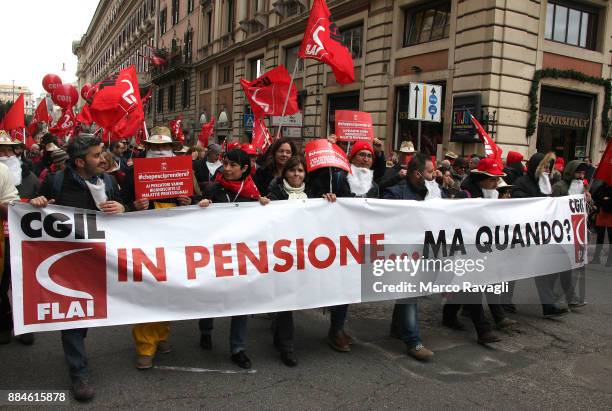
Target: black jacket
column 262, row 178
column 390, row 178
column 73, row 193
column 527, row 185
column 318, row 183
column 470, row 188
column 513, row 172
column 276, row 190
column 202, row 174
column 219, row 194
column 405, row 191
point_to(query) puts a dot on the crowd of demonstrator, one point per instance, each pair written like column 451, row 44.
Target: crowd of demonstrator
column 88, row 174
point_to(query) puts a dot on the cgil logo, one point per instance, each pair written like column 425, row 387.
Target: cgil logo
column 63, row 281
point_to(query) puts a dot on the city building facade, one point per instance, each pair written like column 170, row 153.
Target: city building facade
column 534, row 72
column 10, row 93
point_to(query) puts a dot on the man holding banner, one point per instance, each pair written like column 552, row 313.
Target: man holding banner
column 82, row 185
column 152, row 338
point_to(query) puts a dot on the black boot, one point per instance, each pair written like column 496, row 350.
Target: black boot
column 82, row 390
column 288, row 358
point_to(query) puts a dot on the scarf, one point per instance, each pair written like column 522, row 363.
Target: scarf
column 576, row 187
column 98, row 191
column 433, row 190
column 245, row 188
column 14, row 165
column 544, row 184
column 212, row 167
column 295, row 193
column 360, row 180
column 492, row 194
column 159, row 154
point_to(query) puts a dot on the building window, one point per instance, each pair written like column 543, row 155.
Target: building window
column 190, row 6
column 226, row 74
column 160, row 100
column 230, row 16
column 171, row 97
column 209, row 25
column 163, row 20
column 571, row 25
column 255, row 67
column 353, row 39
column 343, row 101
column 175, row 12
column 427, row 23
column 188, row 41
column 291, row 57
column 185, row 93
column 205, row 80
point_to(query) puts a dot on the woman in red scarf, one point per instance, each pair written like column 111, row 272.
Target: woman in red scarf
column 233, row 184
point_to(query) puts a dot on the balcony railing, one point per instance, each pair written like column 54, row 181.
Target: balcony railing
column 177, row 61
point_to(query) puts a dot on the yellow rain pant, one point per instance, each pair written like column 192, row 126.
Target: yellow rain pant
column 147, row 336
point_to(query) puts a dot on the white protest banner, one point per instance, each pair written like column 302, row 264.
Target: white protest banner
column 73, row 268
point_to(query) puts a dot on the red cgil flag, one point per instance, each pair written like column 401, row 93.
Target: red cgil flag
column 267, row 93
column 14, row 118
column 261, row 136
column 491, row 149
column 117, row 106
column 323, row 42
column 65, row 124
column 176, row 127
column 206, row 132
column 604, row 169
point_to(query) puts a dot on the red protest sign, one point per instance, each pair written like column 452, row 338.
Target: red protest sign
column 322, row 153
column 354, row 126
column 166, row 177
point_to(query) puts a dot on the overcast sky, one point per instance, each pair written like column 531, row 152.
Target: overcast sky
column 37, row 38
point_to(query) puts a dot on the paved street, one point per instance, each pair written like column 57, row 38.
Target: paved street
column 542, row 364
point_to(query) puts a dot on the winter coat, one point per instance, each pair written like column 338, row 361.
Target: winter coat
column 561, row 187
column 262, row 178
column 318, row 183
column 405, row 191
column 29, row 182
column 527, row 185
column 276, row 190
column 513, row 172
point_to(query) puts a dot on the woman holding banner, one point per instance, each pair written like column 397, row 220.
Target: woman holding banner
column 276, row 157
column 233, row 184
column 289, row 186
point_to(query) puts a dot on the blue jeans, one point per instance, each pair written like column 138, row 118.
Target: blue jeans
column 405, row 321
column 337, row 317
column 73, row 343
column 238, row 331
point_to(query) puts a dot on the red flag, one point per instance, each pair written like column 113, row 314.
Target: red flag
column 267, row 93
column 491, row 149
column 65, row 124
column 176, row 127
column 206, row 132
column 323, row 42
column 261, row 136
column 40, row 115
column 29, row 142
column 14, row 118
column 117, row 105
column 84, row 115
column 604, row 169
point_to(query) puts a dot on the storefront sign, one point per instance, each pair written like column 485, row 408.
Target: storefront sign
column 462, row 130
column 563, row 121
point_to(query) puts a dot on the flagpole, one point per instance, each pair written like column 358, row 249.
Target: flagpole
column 280, row 122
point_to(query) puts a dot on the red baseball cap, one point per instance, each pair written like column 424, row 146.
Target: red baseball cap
column 249, row 149
column 490, row 167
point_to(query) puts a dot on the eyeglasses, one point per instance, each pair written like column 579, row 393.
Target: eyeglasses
column 365, row 155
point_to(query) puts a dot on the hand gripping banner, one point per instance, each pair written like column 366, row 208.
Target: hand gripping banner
column 76, row 268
